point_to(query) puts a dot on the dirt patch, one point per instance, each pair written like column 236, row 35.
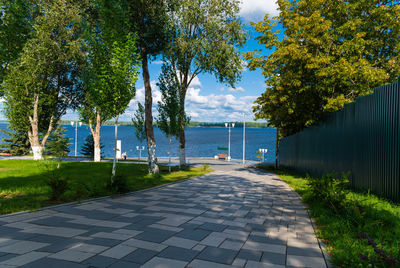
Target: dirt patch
column 10, row 196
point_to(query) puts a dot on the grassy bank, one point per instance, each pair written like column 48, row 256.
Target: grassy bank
column 351, row 231
column 23, row 182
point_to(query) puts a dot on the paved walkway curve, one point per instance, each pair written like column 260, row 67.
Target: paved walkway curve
column 233, row 217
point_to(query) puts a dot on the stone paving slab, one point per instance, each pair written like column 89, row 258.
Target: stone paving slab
column 233, row 217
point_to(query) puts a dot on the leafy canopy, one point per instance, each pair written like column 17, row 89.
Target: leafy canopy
column 48, row 68
column 170, row 107
column 138, row 122
column 331, row 52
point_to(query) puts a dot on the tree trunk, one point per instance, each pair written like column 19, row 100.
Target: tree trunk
column 96, row 137
column 33, row 133
column 182, row 139
column 151, row 142
column 114, row 167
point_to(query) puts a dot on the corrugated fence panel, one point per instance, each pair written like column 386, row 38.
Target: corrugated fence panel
column 362, row 139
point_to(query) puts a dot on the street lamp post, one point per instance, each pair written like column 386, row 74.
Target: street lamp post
column 229, row 125
column 244, row 137
column 140, row 149
column 76, row 134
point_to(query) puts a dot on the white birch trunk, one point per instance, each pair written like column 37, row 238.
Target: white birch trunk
column 182, row 157
column 37, row 152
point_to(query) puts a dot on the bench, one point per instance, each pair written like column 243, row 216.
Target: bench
column 222, row 156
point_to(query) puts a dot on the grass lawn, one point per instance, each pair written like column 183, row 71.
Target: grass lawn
column 376, row 217
column 23, row 187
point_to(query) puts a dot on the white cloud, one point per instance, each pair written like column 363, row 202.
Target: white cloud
column 158, row 62
column 237, row 89
column 195, row 82
column 255, row 10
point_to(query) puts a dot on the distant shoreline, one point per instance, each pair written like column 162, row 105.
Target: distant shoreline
column 191, row 124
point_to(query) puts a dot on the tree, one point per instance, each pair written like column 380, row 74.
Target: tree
column 331, row 53
column 112, row 67
column 16, row 19
column 149, row 19
column 139, row 123
column 88, row 147
column 16, row 144
column 44, row 81
column 206, row 38
column 170, row 108
column 58, row 143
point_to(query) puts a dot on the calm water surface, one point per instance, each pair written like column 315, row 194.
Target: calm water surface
column 200, row 141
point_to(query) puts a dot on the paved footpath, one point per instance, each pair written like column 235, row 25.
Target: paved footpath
column 233, row 217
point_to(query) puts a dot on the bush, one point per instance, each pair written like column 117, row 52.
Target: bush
column 205, row 167
column 59, row 185
column 329, row 190
column 118, row 185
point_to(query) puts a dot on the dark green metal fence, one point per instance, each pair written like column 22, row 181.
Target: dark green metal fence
column 363, row 139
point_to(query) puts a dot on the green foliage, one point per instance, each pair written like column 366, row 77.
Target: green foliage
column 329, row 190
column 44, row 81
column 16, row 144
column 55, row 179
column 58, row 143
column 331, row 52
column 170, row 107
column 87, row 148
column 16, row 18
column 112, row 63
column 138, row 122
column 24, row 181
column 205, row 167
column 207, row 35
column 119, row 185
column 357, row 213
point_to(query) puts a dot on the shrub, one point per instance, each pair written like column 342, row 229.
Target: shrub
column 59, row 185
column 205, row 167
column 329, row 190
column 118, row 185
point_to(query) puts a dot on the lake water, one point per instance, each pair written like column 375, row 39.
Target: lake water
column 200, row 141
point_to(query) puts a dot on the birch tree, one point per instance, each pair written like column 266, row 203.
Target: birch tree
column 207, row 35
column 149, row 19
column 44, row 81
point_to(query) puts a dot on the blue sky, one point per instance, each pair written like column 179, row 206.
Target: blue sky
column 208, row 100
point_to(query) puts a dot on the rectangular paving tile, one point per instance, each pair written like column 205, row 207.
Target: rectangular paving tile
column 101, row 223
column 234, row 245
column 175, row 220
column 303, row 261
column 213, row 227
column 164, row 263
column 140, row 256
column 114, row 236
column 25, row 258
column 118, row 251
column 180, row 242
column 194, row 234
column 219, row 255
column 53, row 263
column 154, row 235
column 22, row 247
column 72, row 255
column 178, row 253
column 275, row 258
column 88, row 248
column 265, row 247
column 253, row 264
column 144, row 244
column 99, row 261
column 165, row 227
column 213, row 240
column 207, row 264
column 247, row 254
